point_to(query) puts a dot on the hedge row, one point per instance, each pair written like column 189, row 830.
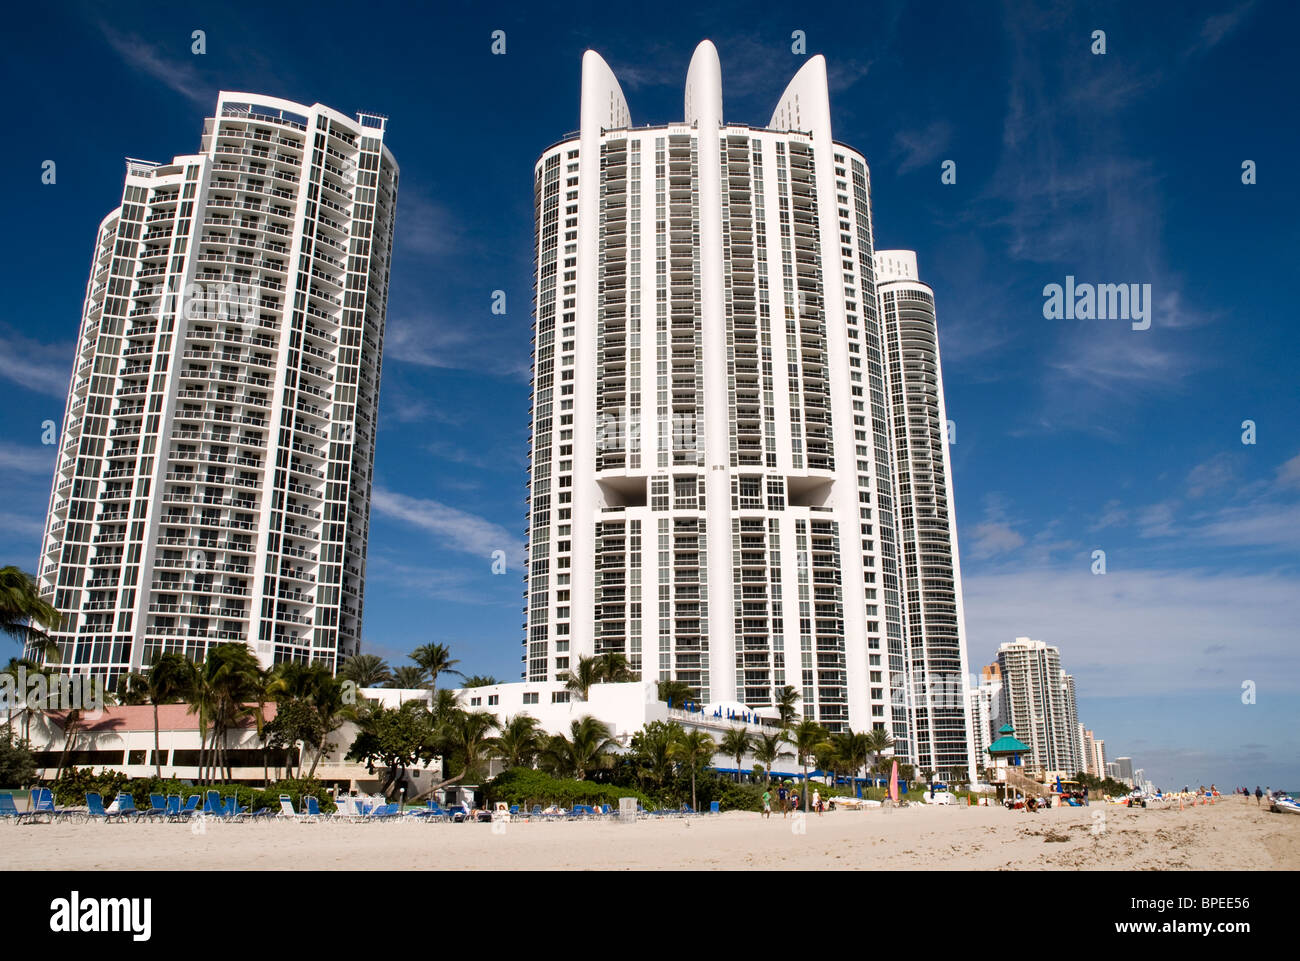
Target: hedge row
column 70, row 790
column 526, row 787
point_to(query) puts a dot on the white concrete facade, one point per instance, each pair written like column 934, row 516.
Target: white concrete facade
column 712, row 480
column 934, row 619
column 213, row 482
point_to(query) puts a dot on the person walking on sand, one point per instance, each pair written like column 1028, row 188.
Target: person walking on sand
column 782, row 798
column 767, row 803
column 1259, row 795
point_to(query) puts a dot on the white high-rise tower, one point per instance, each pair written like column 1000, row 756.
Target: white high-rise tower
column 712, row 481
column 935, row 620
column 213, row 481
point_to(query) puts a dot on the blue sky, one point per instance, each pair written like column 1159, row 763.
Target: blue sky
column 1072, row 435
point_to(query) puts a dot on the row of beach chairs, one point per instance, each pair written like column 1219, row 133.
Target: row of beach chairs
column 171, row 808
column 350, row 809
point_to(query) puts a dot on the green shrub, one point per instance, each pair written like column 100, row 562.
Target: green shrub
column 17, row 766
column 526, row 787
column 71, row 787
column 70, row 790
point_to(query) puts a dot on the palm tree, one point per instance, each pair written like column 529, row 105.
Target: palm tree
column 202, row 699
column 366, row 670
column 808, row 737
column 579, row 681
column 653, row 747
column 229, row 678
column 408, row 677
column 132, row 688
column 853, row 749
column 693, row 749
column 518, row 741
column 879, row 742
column 786, row 699
column 466, row 737
column 768, row 748
column 675, row 692
column 583, row 751
column 479, row 680
column 169, row 678
column 327, row 698
column 22, row 608
column 443, row 706
column 615, row 668
column 736, row 743
column 435, row 659
column 71, row 728
column 19, row 668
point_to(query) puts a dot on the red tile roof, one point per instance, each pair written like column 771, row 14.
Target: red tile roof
column 171, row 717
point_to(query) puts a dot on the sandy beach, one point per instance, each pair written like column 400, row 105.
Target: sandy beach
column 1231, row 835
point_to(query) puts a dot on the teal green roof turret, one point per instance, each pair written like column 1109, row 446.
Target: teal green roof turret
column 1007, row 744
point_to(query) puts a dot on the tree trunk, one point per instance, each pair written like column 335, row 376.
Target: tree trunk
column 429, row 790
column 203, row 750
column 157, row 764
column 67, row 744
column 318, row 751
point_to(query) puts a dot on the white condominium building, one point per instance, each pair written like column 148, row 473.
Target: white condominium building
column 213, row 480
column 933, row 616
column 1038, row 703
column 712, row 486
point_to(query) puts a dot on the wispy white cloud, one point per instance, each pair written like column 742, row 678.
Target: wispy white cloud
column 28, row 526
column 430, row 341
column 1071, row 190
column 425, row 228
column 456, row 585
column 1218, row 28
column 993, row 538
column 1144, row 631
column 1112, row 515
column 27, row 460
column 175, row 72
column 1261, row 516
column 1209, row 476
column 923, row 147
column 452, row 528
column 35, row 366
column 1288, row 474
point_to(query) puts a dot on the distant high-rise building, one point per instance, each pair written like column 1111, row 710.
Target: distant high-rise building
column 987, row 706
column 1073, row 730
column 1099, row 757
column 1038, row 702
column 1124, row 765
column 1089, row 752
column 213, row 480
column 715, row 422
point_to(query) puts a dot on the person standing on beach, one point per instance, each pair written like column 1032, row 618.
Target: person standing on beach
column 817, row 801
column 1258, row 795
column 767, row 803
column 781, row 797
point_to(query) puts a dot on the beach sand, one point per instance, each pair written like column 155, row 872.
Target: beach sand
column 1232, row 835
